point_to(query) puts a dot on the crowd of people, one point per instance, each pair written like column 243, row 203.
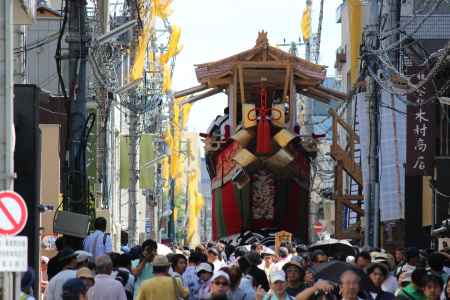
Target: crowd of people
column 222, row 272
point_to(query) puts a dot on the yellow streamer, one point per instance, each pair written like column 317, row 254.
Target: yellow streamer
column 306, row 23
column 172, row 48
column 167, row 78
column 161, row 8
column 355, row 28
column 196, row 201
column 137, row 70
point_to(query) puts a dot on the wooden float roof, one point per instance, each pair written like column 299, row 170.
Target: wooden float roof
column 265, row 61
column 261, row 56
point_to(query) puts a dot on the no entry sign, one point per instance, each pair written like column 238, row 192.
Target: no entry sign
column 13, row 213
column 318, row 227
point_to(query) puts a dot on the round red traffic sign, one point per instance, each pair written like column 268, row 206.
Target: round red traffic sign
column 13, row 213
column 318, row 227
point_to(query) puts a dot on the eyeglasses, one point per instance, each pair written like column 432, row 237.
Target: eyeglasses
column 222, row 283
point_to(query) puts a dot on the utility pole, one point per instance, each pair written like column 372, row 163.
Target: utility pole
column 372, row 205
column 77, row 40
column 307, row 103
column 132, row 189
column 102, row 117
column 6, row 97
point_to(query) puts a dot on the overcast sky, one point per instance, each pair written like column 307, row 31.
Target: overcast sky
column 213, row 29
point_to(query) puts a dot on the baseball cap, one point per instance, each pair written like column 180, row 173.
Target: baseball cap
column 85, row 273
column 218, row 274
column 204, row 267
column 83, row 256
column 277, row 276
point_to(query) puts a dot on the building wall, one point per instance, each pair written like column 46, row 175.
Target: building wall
column 41, row 63
column 50, row 180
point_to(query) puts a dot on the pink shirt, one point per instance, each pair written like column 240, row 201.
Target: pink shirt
column 106, row 288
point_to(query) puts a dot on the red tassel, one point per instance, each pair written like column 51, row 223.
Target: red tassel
column 227, row 132
column 263, row 139
column 263, row 131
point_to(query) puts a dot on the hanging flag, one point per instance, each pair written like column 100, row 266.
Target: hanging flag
column 306, row 23
column 173, row 48
column 124, row 162
column 146, row 155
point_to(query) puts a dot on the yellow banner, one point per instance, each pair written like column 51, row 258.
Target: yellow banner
column 355, row 28
column 172, row 48
column 306, row 23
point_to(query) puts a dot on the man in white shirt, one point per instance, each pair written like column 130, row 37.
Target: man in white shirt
column 283, row 253
column 213, row 257
column 55, row 285
column 105, row 287
column 98, row 243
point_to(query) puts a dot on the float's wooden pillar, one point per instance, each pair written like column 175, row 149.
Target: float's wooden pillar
column 292, row 100
column 232, row 103
column 241, row 83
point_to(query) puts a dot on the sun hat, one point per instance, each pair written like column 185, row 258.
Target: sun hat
column 204, row 267
column 218, row 274
column 85, row 273
column 160, row 261
column 277, row 276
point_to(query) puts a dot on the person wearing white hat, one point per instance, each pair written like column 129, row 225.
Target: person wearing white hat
column 277, row 288
column 220, row 283
column 83, row 258
column 204, row 272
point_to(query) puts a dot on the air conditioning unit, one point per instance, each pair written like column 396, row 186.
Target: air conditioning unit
column 72, row 224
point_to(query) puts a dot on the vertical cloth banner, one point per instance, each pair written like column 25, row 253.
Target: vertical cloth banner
column 146, row 167
column 420, row 129
column 306, row 23
column 124, row 162
column 392, row 158
column 362, row 110
column 355, row 29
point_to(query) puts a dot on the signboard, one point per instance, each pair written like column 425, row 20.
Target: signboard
column 13, row 213
column 420, row 128
column 280, row 237
column 13, row 253
column 444, row 244
column 318, row 227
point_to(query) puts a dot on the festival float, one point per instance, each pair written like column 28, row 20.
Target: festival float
column 258, row 156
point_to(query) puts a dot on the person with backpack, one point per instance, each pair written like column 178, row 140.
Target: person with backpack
column 162, row 285
column 98, row 243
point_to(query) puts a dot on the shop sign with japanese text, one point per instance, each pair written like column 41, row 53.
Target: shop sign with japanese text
column 420, row 127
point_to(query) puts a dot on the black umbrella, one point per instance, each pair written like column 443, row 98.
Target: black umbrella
column 333, row 270
column 334, row 248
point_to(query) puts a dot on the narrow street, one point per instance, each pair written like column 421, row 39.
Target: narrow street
column 170, row 149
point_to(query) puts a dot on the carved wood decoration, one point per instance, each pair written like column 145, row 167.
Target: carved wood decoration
column 346, row 165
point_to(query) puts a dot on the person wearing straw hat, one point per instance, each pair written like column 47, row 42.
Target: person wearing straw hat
column 162, row 285
column 86, row 275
